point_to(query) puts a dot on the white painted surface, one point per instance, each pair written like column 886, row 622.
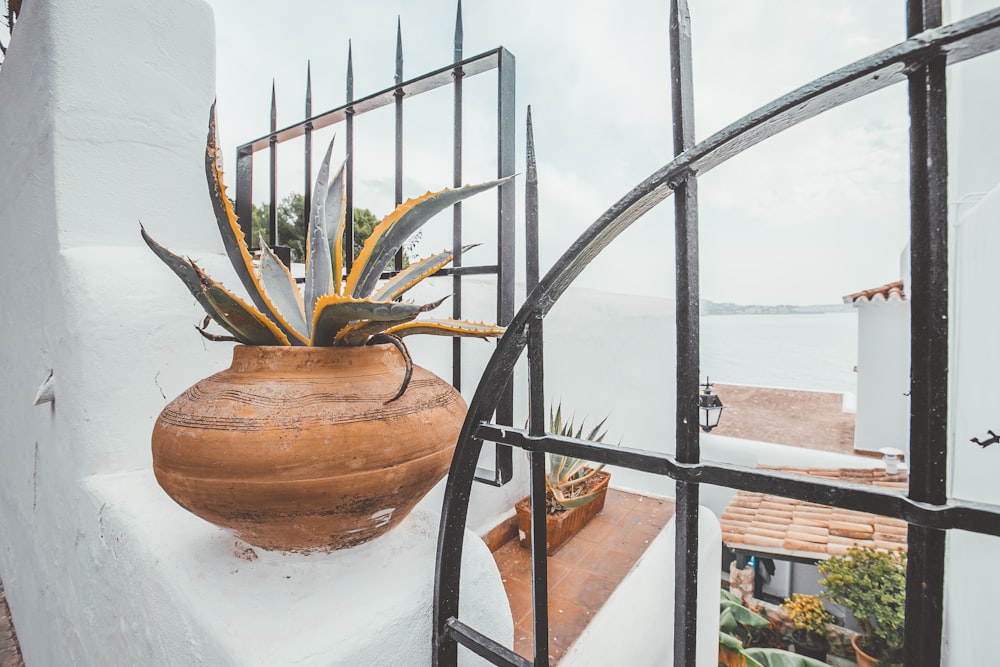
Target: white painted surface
column 635, row 625
column 974, row 133
column 882, row 418
column 240, row 605
column 103, row 122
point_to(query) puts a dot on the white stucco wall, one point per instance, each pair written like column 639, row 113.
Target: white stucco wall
column 882, row 417
column 974, row 134
column 635, row 625
column 103, row 122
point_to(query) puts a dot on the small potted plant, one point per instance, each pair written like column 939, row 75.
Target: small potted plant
column 872, row 584
column 737, row 626
column 810, row 618
column 575, row 489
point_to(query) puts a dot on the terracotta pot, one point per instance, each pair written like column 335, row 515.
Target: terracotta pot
column 559, row 528
column 295, row 449
column 865, row 660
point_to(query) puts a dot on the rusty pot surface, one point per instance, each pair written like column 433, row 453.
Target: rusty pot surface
column 295, row 449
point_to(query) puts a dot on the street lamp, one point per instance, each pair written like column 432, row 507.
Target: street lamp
column 709, row 408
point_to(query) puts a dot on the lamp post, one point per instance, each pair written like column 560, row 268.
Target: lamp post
column 709, row 408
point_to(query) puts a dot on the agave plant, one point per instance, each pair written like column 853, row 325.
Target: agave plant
column 566, row 481
column 332, row 309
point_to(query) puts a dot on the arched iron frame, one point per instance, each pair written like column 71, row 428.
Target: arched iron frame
column 921, row 60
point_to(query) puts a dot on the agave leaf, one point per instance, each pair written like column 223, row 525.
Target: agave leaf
column 573, row 501
column 336, row 209
column 237, row 316
column 358, row 333
column 390, row 234
column 446, row 327
column 334, row 312
column 411, row 275
column 232, row 237
column 191, row 275
column 280, row 287
column 319, row 266
column 182, row 267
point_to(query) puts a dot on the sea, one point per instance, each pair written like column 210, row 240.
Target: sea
column 817, row 352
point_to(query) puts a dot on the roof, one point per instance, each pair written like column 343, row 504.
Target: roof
column 886, row 292
column 766, row 523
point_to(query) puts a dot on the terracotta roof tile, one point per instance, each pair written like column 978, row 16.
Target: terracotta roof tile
column 886, row 292
column 784, row 526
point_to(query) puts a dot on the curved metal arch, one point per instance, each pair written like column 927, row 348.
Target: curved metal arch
column 959, row 41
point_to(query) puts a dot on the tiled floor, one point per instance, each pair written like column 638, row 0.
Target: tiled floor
column 584, row 573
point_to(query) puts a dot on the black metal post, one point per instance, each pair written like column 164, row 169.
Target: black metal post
column 686, row 235
column 456, row 223
column 349, row 166
column 399, row 94
column 928, row 339
column 307, row 186
column 272, row 215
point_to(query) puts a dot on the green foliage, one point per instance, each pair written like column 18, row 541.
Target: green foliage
column 331, row 309
column 806, row 612
column 291, row 220
column 736, row 623
column 872, row 584
column 566, row 480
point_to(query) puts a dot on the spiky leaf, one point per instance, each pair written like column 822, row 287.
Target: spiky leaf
column 232, row 237
column 395, row 228
column 358, row 333
column 281, row 289
column 320, row 279
column 447, row 327
column 334, row 312
column 410, row 276
column 238, row 317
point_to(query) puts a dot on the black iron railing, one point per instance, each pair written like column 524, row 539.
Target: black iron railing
column 921, row 61
column 499, row 60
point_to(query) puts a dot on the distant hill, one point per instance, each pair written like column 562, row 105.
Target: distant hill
column 712, row 308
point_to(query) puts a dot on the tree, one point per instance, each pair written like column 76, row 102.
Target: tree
column 292, row 225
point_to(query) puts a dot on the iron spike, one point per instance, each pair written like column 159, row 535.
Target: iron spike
column 399, row 50
column 274, row 108
column 532, row 174
column 459, row 36
column 309, row 88
column 350, row 73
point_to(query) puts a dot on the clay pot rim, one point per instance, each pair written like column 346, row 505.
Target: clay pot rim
column 258, row 357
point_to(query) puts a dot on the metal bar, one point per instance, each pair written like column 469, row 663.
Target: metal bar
column 531, row 209
column 399, row 128
column 272, row 211
column 961, row 514
column 349, row 166
column 478, row 64
column 244, row 192
column 539, row 540
column 456, row 221
column 687, row 365
column 928, row 457
column 482, row 645
column 307, row 189
column 505, row 237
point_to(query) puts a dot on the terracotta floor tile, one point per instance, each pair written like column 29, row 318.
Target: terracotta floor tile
column 584, row 573
column 585, row 589
column 575, row 551
column 613, row 564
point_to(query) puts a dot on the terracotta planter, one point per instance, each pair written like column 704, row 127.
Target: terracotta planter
column 295, row 449
column 559, row 528
column 865, row 660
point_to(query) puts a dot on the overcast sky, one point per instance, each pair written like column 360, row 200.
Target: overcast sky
column 811, row 215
